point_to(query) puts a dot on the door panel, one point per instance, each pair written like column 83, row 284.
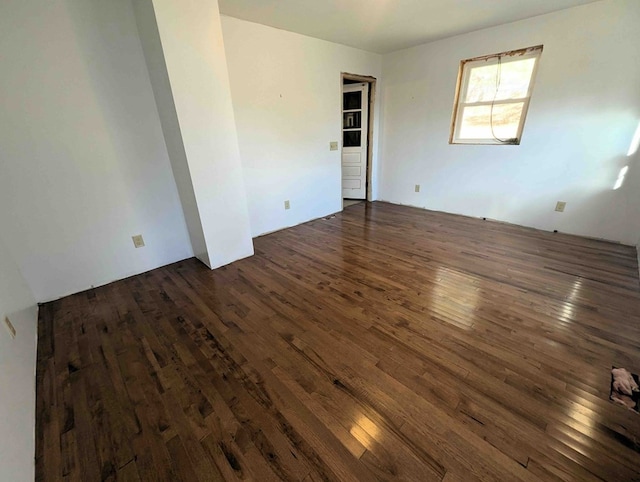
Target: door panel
column 355, row 124
column 352, row 171
column 351, row 158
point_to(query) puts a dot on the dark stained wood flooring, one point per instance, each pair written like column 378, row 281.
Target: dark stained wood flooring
column 385, row 343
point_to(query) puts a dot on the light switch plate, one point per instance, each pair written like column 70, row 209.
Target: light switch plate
column 287, row 205
column 560, row 205
column 417, row 188
column 333, row 146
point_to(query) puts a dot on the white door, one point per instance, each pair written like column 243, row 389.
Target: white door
column 355, row 127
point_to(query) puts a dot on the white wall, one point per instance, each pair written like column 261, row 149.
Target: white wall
column 192, row 43
column 17, row 372
column 159, row 76
column 286, row 98
column 638, row 254
column 84, row 164
column 584, row 111
column 632, row 184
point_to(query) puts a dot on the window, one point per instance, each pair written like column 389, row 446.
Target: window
column 492, row 97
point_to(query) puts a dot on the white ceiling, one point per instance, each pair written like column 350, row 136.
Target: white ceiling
column 386, row 25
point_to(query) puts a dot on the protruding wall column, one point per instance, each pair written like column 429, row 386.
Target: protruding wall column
column 184, row 51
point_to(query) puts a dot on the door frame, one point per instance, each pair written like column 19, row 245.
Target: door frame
column 372, row 99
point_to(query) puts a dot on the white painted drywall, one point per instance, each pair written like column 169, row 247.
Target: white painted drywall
column 84, row 164
column 17, row 372
column 286, row 97
column 194, row 54
column 638, row 254
column 632, row 184
column 157, row 68
column 584, row 111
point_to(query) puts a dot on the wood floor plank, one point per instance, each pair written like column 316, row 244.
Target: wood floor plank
column 384, row 343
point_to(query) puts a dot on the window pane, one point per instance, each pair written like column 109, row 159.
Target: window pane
column 352, row 100
column 477, row 121
column 351, row 120
column 510, row 80
column 482, row 84
column 351, row 138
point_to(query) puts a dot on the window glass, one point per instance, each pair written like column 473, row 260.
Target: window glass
column 477, row 121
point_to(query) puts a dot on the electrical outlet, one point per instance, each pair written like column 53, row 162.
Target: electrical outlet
column 417, row 188
column 287, row 205
column 10, row 327
column 560, row 205
column 333, row 146
column 138, row 242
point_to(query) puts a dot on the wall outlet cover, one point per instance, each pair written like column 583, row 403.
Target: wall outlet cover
column 287, row 205
column 333, row 146
column 560, row 205
column 138, row 242
column 417, row 188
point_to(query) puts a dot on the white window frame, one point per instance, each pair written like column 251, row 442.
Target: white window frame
column 463, row 83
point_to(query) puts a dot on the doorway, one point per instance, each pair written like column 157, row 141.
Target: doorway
column 358, row 95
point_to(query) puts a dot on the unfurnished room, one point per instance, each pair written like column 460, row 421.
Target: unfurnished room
column 303, row 240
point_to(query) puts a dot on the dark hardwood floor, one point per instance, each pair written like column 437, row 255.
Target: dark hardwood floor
column 385, row 343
